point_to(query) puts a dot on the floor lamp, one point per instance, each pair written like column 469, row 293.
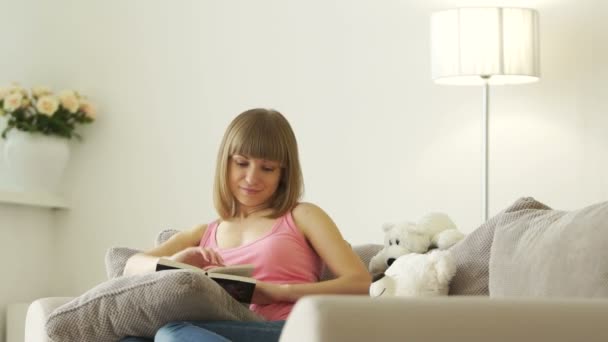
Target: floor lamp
column 485, row 46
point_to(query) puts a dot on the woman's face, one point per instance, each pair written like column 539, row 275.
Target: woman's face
column 253, row 181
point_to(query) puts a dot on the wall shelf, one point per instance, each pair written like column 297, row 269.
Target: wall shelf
column 36, row 199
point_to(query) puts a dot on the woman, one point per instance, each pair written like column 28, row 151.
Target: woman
column 258, row 184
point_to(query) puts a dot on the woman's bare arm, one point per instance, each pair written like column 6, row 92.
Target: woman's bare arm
column 146, row 262
column 352, row 276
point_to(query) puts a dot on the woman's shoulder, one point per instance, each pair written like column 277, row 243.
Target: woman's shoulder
column 303, row 209
column 201, row 227
column 195, row 233
column 306, row 215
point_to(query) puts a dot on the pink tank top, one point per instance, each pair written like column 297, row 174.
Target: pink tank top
column 281, row 256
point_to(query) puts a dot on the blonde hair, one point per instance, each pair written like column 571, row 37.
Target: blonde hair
column 265, row 134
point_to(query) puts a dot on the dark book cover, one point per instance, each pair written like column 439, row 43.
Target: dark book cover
column 240, row 290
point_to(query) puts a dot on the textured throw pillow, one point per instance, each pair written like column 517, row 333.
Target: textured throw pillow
column 164, row 235
column 552, row 254
column 472, row 254
column 139, row 305
column 116, row 257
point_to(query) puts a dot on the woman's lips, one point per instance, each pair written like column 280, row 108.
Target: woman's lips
column 250, row 191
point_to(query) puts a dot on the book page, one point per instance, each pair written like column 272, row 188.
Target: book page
column 164, row 264
column 245, row 270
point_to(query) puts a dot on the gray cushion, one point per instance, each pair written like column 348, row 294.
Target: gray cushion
column 164, row 235
column 116, row 257
column 138, row 305
column 551, row 253
column 141, row 304
column 472, row 254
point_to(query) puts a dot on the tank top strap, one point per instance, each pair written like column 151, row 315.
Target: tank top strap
column 208, row 239
column 288, row 224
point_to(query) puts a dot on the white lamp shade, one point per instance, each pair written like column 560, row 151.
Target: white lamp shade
column 500, row 44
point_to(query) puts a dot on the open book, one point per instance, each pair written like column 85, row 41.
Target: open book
column 235, row 279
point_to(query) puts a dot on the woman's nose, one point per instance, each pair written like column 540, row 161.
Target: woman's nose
column 251, row 175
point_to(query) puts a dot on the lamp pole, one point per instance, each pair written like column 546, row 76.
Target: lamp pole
column 472, row 44
column 485, row 147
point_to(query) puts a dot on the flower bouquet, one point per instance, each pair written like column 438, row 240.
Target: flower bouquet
column 42, row 111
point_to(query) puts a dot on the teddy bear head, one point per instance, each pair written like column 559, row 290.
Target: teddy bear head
column 434, row 230
column 416, row 275
column 403, row 238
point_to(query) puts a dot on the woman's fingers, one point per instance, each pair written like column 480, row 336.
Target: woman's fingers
column 199, row 257
column 211, row 256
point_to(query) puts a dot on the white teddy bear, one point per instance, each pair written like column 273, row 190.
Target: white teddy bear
column 416, row 275
column 434, row 230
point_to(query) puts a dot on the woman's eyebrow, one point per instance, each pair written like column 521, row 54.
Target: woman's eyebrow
column 273, row 162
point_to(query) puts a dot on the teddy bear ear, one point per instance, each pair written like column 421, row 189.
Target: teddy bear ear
column 387, row 226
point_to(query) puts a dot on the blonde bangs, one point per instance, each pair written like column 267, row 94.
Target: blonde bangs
column 261, row 139
column 263, row 134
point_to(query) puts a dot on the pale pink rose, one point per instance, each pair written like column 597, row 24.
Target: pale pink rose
column 13, row 101
column 69, row 101
column 47, row 105
column 39, row 91
column 88, row 109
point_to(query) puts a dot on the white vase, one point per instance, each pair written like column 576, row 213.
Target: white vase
column 35, row 162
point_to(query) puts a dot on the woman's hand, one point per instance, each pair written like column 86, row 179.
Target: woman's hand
column 198, row 256
column 267, row 293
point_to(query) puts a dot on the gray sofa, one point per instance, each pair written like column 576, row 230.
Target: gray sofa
column 440, row 319
column 472, row 319
column 528, row 274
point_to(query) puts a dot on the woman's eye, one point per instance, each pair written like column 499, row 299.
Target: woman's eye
column 268, row 169
column 241, row 163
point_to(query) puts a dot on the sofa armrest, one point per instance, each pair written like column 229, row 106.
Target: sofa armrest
column 440, row 319
column 36, row 317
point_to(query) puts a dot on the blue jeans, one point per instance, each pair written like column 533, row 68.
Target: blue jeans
column 211, row 331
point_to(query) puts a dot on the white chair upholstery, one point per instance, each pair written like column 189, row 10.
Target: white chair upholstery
column 37, row 314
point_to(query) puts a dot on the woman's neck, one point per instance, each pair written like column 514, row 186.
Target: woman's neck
column 245, row 213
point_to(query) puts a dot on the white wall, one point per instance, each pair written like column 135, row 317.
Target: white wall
column 379, row 141
column 596, row 107
column 28, row 243
column 27, row 252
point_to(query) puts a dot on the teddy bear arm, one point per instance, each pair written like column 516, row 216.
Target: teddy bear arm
column 447, row 238
column 417, row 243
